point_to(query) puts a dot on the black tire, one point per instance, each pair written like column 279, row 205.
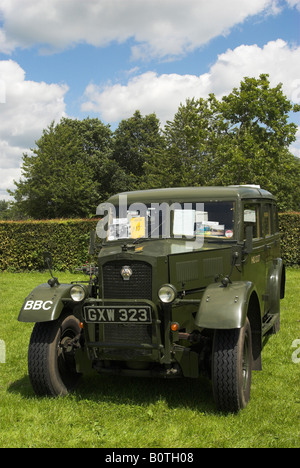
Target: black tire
column 51, row 370
column 232, row 367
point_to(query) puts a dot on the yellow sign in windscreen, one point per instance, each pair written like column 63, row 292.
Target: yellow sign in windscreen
column 137, row 227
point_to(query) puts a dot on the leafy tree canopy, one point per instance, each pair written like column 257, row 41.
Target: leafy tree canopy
column 243, row 138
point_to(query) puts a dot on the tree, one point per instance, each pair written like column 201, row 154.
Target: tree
column 186, row 156
column 61, row 177
column 134, row 143
column 259, row 135
column 4, row 209
column 115, row 179
column 241, row 139
column 260, row 111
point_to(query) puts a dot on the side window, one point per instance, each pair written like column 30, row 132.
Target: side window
column 267, row 219
column 252, row 218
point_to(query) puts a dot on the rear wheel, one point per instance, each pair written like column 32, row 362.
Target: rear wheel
column 231, row 368
column 51, row 362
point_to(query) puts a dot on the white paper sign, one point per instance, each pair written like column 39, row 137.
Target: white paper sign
column 184, row 221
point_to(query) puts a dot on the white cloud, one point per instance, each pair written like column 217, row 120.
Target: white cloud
column 26, row 108
column 294, row 3
column 147, row 92
column 7, row 181
column 162, row 94
column 277, row 58
column 160, row 28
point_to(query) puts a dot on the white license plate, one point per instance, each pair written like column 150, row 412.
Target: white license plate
column 117, row 314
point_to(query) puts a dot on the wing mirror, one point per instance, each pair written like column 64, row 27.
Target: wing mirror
column 48, row 263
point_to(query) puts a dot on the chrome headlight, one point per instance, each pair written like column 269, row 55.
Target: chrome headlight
column 78, row 293
column 167, row 293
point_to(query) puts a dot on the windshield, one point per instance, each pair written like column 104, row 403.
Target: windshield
column 188, row 221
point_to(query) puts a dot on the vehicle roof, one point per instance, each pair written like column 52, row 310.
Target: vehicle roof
column 193, row 194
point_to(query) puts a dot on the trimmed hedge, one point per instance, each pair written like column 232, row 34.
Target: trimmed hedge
column 289, row 224
column 22, row 243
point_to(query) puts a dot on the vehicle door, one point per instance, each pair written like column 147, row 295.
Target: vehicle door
column 272, row 247
column 268, row 248
column 254, row 269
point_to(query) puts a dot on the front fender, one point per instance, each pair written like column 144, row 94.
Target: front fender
column 44, row 303
column 224, row 307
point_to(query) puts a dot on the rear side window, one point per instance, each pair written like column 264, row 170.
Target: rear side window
column 252, row 218
column 267, row 220
column 270, row 219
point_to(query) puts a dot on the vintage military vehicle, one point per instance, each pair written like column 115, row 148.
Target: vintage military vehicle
column 187, row 282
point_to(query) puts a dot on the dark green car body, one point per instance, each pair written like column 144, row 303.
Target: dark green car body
column 224, row 272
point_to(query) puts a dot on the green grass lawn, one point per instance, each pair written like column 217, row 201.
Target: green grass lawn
column 146, row 413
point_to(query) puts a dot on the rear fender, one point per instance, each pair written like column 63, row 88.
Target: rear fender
column 44, row 303
column 224, row 307
column 276, row 285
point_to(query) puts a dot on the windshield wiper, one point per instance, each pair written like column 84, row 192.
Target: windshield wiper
column 142, row 239
column 139, row 239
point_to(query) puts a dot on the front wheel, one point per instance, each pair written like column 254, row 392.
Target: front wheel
column 51, row 362
column 231, row 368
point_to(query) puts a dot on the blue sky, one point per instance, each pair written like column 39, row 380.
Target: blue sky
column 107, row 58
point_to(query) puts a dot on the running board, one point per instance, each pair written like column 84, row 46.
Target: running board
column 270, row 320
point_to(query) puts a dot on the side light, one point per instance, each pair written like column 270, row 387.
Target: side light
column 174, row 326
column 77, row 293
column 167, row 293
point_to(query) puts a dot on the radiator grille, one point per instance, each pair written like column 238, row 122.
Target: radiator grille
column 123, row 333
column 139, row 286
column 128, row 333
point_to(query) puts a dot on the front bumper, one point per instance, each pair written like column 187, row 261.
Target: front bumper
column 111, row 336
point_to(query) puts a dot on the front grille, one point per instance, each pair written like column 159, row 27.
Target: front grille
column 139, row 286
column 128, row 333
